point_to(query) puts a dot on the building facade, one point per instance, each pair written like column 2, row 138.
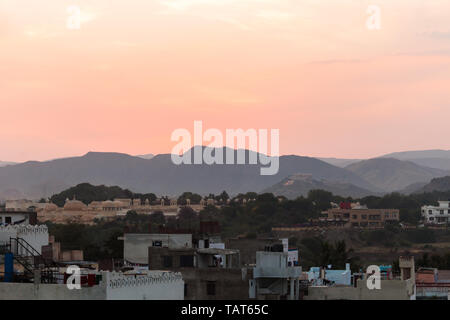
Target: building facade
column 366, row 218
column 437, row 214
column 273, row 278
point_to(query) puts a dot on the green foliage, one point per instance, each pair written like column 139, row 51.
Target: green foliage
column 193, row 197
column 441, row 262
column 317, row 252
column 87, row 193
column 409, row 205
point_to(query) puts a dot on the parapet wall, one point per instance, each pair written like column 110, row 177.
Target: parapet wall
column 118, row 286
column 155, row 285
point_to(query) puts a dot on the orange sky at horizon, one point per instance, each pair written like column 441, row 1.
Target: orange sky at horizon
column 137, row 70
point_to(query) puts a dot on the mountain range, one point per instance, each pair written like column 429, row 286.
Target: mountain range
column 157, row 174
column 436, row 184
column 6, row 163
column 300, row 184
column 389, row 174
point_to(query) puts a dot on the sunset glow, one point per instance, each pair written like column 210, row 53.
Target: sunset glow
column 137, row 70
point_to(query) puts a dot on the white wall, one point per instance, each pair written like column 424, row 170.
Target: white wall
column 156, row 285
column 36, row 236
column 135, row 248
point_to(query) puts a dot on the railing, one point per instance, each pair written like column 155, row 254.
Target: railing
column 24, row 252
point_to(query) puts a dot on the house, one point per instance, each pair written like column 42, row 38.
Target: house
column 437, row 214
column 273, row 278
column 360, row 217
column 208, row 273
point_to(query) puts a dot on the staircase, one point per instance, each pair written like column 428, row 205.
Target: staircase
column 27, row 256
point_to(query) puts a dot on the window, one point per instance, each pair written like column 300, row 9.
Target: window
column 364, row 216
column 211, row 288
column 430, row 211
column 8, row 220
column 167, row 261
column 354, row 216
column 441, row 211
column 431, row 218
column 157, row 243
column 346, row 215
column 186, row 261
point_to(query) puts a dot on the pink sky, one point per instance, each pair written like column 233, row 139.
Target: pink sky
column 139, row 69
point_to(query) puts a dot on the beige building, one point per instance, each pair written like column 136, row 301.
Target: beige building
column 371, row 218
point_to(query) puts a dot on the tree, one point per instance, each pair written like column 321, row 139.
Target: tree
column 157, row 217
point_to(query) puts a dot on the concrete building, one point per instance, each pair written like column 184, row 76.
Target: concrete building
column 8, row 217
column 153, row 285
column 209, row 273
column 390, row 290
column 273, row 278
column 433, row 284
column 437, row 214
column 317, row 276
column 34, row 236
column 135, row 248
column 365, row 218
column 402, row 288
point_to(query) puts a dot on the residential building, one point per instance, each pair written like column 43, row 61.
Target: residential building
column 437, row 214
column 208, row 273
column 365, row 218
column 14, row 217
column 433, row 284
column 135, row 248
column 401, row 288
column 321, row 276
column 273, row 278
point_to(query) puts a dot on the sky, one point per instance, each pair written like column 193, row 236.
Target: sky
column 135, row 71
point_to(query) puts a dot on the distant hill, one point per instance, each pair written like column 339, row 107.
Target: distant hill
column 419, row 154
column 390, row 174
column 412, row 188
column 299, row 185
column 159, row 175
column 6, row 163
column 439, row 159
column 437, row 184
column 342, row 163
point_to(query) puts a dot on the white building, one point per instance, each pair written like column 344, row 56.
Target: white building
column 135, row 248
column 33, row 236
column 437, row 215
column 17, row 217
column 273, row 278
